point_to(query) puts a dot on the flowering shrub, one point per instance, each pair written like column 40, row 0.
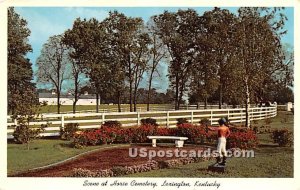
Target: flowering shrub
column 191, row 131
column 141, row 133
column 240, row 137
column 283, row 137
column 243, row 140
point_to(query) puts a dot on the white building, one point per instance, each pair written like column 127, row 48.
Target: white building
column 67, row 99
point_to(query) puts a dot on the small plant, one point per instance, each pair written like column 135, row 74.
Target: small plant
column 68, row 131
column 283, row 137
column 119, row 170
column 181, row 121
column 112, row 124
column 149, row 121
column 205, row 123
column 23, row 134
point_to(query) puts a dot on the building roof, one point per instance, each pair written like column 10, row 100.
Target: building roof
column 50, row 95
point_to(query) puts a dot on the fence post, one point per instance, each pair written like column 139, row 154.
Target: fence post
column 62, row 122
column 15, row 122
column 168, row 122
column 138, row 118
column 211, row 117
column 228, row 114
column 103, row 118
column 241, row 115
column 192, row 117
column 260, row 110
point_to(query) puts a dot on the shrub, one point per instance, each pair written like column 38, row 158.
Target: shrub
column 242, row 139
column 149, row 121
column 181, row 121
column 283, row 137
column 112, row 124
column 23, row 134
column 141, row 133
column 193, row 132
column 118, row 170
column 205, row 123
column 68, row 131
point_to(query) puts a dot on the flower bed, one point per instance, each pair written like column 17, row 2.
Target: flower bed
column 148, row 166
column 239, row 138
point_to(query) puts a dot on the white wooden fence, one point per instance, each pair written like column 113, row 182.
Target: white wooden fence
column 164, row 118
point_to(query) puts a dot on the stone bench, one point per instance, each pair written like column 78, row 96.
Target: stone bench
column 179, row 141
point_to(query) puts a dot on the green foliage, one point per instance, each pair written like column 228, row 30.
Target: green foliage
column 68, row 131
column 22, row 97
column 283, row 137
column 149, row 121
column 181, row 121
column 115, row 124
column 118, row 170
column 23, row 134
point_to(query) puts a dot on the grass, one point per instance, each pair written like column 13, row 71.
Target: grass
column 42, row 152
column 269, row 161
column 69, row 108
column 262, row 165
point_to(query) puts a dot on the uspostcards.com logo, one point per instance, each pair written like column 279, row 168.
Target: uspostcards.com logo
column 181, row 153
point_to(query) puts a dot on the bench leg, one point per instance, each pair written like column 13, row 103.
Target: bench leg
column 153, row 142
column 179, row 143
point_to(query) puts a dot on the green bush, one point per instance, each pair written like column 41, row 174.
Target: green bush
column 115, row 124
column 283, row 137
column 23, row 134
column 118, row 170
column 181, row 121
column 149, row 121
column 68, row 131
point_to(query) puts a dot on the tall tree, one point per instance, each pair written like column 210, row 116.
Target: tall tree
column 178, row 32
column 219, row 24
column 87, row 41
column 259, row 51
column 157, row 53
column 52, row 65
column 22, row 97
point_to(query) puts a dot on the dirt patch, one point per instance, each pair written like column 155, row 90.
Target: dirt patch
column 103, row 159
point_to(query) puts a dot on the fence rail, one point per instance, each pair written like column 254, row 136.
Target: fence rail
column 164, row 118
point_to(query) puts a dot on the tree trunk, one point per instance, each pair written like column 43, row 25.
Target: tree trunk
column 97, row 103
column 119, row 102
column 149, row 88
column 134, row 100
column 247, row 104
column 130, row 95
column 205, row 103
column 220, row 95
column 177, row 103
column 74, row 106
column 58, row 101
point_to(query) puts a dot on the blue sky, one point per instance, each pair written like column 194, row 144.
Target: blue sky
column 47, row 21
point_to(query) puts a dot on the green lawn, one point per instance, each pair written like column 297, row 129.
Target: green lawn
column 42, row 152
column 69, row 108
column 268, row 162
